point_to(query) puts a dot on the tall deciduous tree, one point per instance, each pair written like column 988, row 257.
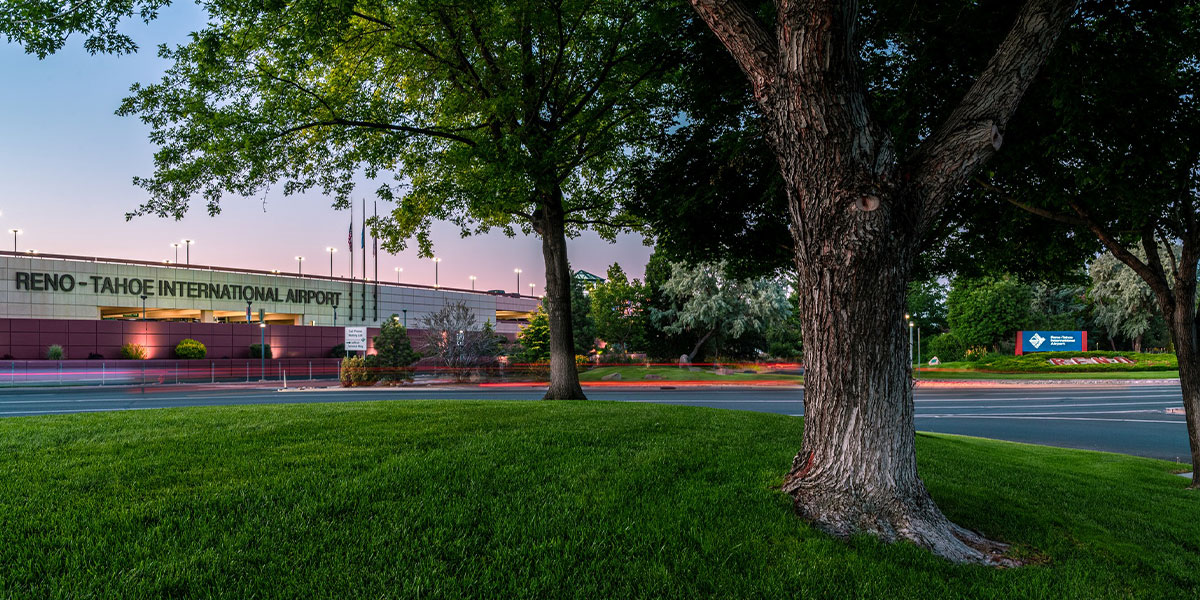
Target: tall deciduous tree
column 509, row 114
column 707, row 302
column 619, row 309
column 1111, row 161
column 983, row 312
column 1122, row 303
column 862, row 204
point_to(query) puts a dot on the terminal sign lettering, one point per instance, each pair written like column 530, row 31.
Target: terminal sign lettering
column 133, row 286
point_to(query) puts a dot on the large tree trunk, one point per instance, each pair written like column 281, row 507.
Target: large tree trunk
column 859, row 215
column 857, row 471
column 564, row 377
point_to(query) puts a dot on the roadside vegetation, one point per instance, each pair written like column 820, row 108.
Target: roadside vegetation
column 540, row 500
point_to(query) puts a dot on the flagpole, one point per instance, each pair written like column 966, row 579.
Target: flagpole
column 363, row 243
column 375, row 255
column 350, row 242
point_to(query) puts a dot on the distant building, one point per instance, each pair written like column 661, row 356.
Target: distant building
column 587, row 278
column 93, row 305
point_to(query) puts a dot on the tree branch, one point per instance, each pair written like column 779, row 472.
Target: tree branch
column 745, row 36
column 974, row 130
column 383, row 126
column 1156, row 279
column 1033, row 210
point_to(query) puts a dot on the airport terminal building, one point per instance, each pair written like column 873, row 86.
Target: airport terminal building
column 91, row 306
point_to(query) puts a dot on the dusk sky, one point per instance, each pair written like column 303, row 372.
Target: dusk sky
column 66, row 164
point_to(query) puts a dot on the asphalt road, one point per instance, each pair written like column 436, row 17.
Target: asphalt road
column 1130, row 419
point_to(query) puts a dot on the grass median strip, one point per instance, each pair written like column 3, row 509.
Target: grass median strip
column 536, row 500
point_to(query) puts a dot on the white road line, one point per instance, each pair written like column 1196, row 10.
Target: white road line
column 1059, row 395
column 1048, row 418
column 1061, row 412
column 1063, row 405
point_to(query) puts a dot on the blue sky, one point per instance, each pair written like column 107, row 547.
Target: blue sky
column 66, row 164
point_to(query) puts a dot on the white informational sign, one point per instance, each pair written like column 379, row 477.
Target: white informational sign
column 356, row 339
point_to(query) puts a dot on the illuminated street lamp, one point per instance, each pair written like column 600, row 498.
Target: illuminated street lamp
column 531, row 288
column 188, row 250
column 15, row 233
column 518, row 272
column 331, row 250
column 399, row 270
column 435, row 270
column 472, row 282
column 176, row 246
column 300, row 265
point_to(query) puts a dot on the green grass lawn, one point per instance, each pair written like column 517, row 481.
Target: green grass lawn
column 540, row 500
column 636, row 373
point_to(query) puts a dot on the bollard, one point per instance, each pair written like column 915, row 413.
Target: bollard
column 176, row 372
column 247, row 372
column 102, row 369
column 310, row 370
column 213, row 369
column 285, row 379
column 60, row 372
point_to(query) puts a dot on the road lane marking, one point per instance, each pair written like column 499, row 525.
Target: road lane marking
column 1180, row 422
column 1058, row 396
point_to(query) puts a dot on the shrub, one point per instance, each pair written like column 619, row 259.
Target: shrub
column 256, row 351
column 190, row 349
column 359, row 371
column 95, row 356
column 338, row 351
column 55, row 352
column 975, row 354
column 947, row 347
column 133, row 352
column 394, row 352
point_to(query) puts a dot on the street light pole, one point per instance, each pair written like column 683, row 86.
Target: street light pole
column 15, row 233
column 300, row 265
column 911, row 350
column 436, row 261
column 399, row 270
column 472, row 283
column 143, row 308
column 518, row 272
column 331, row 250
column 188, row 250
column 530, row 289
column 175, row 245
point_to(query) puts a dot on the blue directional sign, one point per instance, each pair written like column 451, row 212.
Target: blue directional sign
column 1051, row 341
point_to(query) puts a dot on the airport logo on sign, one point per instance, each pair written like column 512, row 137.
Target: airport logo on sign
column 1037, row 340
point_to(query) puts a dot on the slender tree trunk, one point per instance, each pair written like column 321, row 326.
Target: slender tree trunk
column 1183, row 334
column 564, row 377
column 1137, row 342
column 699, row 344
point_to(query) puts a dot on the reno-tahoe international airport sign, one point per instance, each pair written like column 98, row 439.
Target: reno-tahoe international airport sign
column 145, row 286
column 1051, row 341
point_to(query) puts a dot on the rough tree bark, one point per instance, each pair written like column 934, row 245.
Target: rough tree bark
column 1175, row 295
column 564, row 377
column 859, row 215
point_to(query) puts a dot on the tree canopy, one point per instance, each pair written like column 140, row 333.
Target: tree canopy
column 510, row 114
column 42, row 27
